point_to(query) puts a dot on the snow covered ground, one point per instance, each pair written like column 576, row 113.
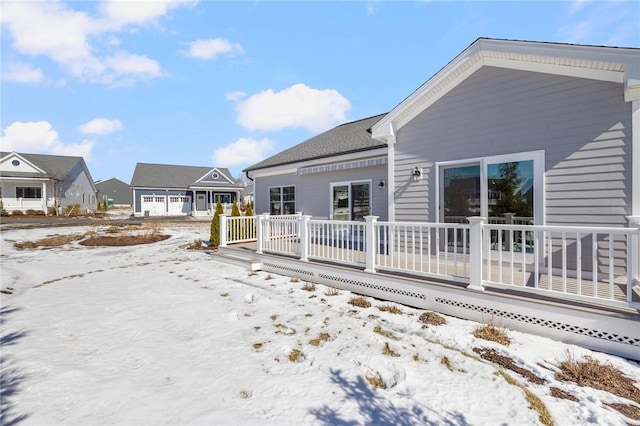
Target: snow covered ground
column 158, row 334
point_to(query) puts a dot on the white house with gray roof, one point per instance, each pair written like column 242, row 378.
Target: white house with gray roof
column 340, row 174
column 43, row 182
column 171, row 190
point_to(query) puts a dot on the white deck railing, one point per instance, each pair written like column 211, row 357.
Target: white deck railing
column 435, row 249
column 585, row 263
column 238, row 229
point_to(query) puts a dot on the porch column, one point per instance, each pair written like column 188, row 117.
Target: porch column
column 634, row 222
column 475, row 252
column 371, row 243
column 44, row 197
column 223, row 230
column 303, row 222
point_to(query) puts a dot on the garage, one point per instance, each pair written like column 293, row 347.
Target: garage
column 154, row 204
column 179, row 205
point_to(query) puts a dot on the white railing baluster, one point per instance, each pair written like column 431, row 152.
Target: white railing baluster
column 611, row 264
column 564, row 262
column 594, row 263
column 579, row 262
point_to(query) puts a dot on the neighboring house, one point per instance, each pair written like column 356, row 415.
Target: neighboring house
column 115, row 192
column 41, row 182
column 340, row 174
column 161, row 189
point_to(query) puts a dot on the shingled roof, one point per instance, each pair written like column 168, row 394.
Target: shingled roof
column 55, row 166
column 343, row 139
column 147, row 175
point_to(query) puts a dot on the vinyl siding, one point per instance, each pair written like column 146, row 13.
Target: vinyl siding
column 313, row 190
column 584, row 127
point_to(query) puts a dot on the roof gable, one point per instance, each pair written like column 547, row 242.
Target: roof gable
column 621, row 65
column 216, row 176
column 343, row 139
column 15, row 163
column 57, row 167
column 148, row 175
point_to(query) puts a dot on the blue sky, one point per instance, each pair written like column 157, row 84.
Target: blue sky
column 228, row 84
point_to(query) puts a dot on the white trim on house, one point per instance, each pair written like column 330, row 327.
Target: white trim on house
column 538, row 158
column 635, row 158
column 599, row 63
column 14, row 155
column 349, row 184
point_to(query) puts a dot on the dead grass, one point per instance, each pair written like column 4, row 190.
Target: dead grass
column 375, row 380
column 390, row 308
column 323, row 337
column 309, row 287
column 360, row 302
column 591, row 373
column 432, row 318
column 53, row 241
column 445, row 361
column 331, row 291
column 385, row 333
column 535, row 403
column 295, row 355
column 493, row 332
column 386, row 350
column 122, row 240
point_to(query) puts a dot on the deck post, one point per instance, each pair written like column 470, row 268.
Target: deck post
column 475, row 252
column 223, row 230
column 304, row 236
column 260, row 231
column 634, row 222
column 371, row 243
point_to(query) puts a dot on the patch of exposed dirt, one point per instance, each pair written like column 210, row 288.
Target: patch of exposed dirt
column 560, row 394
column 504, row 361
column 122, row 240
column 626, row 410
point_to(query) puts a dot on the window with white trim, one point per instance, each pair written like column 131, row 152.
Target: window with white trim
column 504, row 189
column 282, row 200
column 28, row 192
column 350, row 200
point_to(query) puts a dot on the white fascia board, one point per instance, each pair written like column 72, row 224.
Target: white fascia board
column 293, row 167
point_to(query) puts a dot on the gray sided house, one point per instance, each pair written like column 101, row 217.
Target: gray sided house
column 167, row 190
column 340, row 174
column 40, row 182
column 115, row 192
column 546, row 133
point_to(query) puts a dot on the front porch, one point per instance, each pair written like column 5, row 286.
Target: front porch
column 543, row 281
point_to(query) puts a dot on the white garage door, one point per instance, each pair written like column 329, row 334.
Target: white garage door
column 154, row 204
column 179, row 205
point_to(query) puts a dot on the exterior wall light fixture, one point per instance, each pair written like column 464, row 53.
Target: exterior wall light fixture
column 417, row 173
column 381, row 184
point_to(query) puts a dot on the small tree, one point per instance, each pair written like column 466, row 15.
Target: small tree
column 249, row 210
column 235, row 209
column 214, row 238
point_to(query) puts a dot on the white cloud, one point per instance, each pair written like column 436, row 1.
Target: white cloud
column 243, row 151
column 81, row 43
column 19, row 72
column 39, row 137
column 209, row 49
column 576, row 5
column 235, row 96
column 297, row 106
column 126, row 12
column 100, row 126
